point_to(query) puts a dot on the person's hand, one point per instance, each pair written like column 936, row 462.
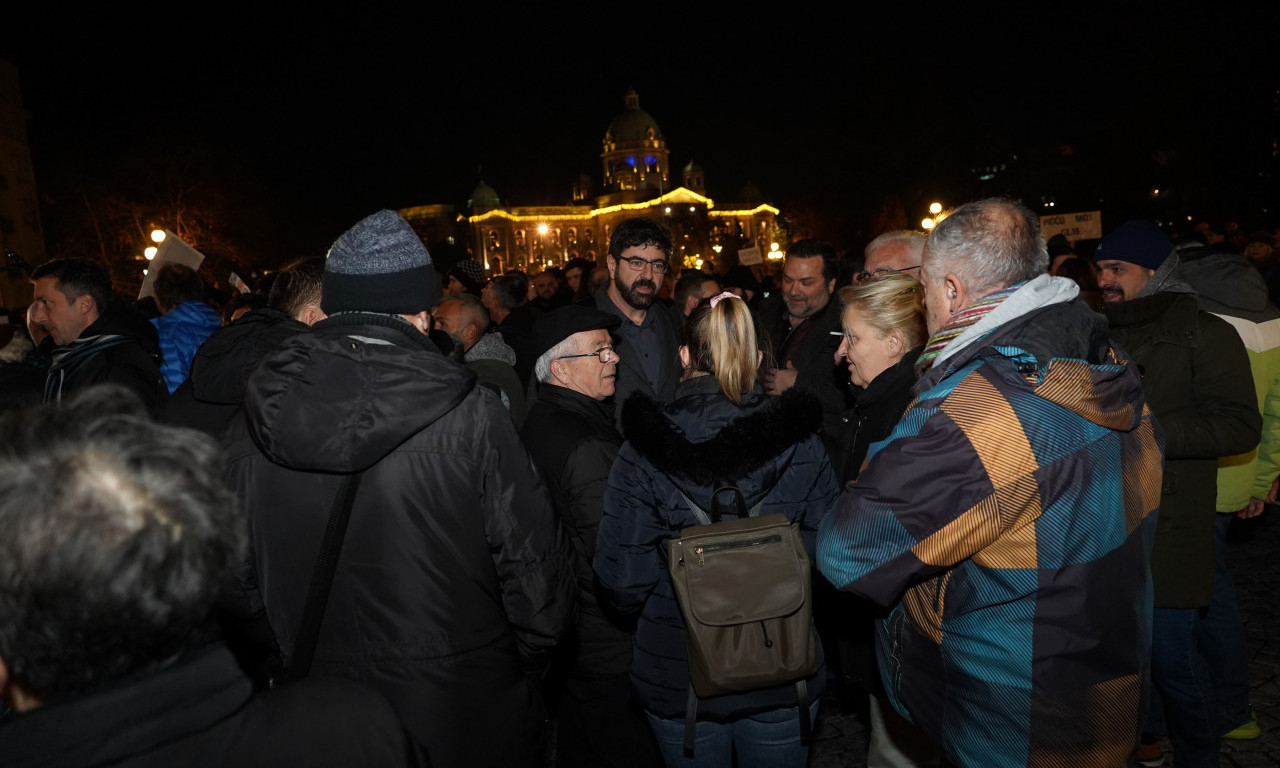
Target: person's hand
column 779, row 380
column 1271, row 497
column 1254, row 508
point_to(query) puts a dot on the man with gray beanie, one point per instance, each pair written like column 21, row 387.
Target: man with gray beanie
column 453, row 581
column 1197, row 382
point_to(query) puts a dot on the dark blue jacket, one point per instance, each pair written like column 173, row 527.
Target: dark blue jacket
column 768, row 447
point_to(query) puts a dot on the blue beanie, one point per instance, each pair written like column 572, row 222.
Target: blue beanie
column 1137, row 242
column 379, row 265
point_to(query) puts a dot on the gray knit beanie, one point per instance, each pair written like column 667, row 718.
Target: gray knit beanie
column 379, row 265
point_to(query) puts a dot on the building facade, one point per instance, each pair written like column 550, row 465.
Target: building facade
column 636, row 181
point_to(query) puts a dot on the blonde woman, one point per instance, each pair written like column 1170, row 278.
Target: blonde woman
column 720, row 429
column 884, row 332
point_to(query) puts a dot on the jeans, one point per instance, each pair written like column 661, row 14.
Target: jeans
column 764, row 740
column 1222, row 639
column 1185, row 686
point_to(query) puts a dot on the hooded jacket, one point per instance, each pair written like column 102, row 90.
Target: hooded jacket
column 1230, row 288
column 1008, row 519
column 768, row 447
column 454, row 579
column 213, row 393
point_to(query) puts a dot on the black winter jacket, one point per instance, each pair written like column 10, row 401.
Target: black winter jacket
column 133, row 362
column 214, row 390
column 454, row 580
column 770, row 449
column 200, row 712
column 875, row 412
column 573, row 442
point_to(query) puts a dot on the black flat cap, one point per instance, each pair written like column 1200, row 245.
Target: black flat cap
column 559, row 324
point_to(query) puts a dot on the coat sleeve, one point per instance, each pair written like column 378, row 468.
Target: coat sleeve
column 819, row 493
column 628, row 559
column 926, row 501
column 585, row 478
column 1225, row 420
column 526, row 542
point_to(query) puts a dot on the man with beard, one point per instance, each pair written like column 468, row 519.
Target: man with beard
column 1197, row 382
column 639, row 254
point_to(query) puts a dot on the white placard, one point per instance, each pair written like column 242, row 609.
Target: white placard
column 749, row 256
column 1086, row 225
column 172, row 251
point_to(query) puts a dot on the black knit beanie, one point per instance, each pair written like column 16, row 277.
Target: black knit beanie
column 379, row 265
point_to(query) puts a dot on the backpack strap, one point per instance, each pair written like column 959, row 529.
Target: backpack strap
column 690, row 721
column 717, row 510
column 299, row 665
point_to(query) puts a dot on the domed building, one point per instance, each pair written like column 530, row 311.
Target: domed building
column 635, row 182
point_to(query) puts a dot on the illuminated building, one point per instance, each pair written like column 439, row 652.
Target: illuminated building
column 636, row 182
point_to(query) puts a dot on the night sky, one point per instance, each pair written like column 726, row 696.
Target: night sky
column 313, row 122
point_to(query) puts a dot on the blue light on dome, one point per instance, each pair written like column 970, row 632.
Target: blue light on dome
column 631, row 161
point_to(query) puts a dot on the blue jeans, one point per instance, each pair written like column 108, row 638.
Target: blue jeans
column 1182, row 679
column 764, row 740
column 1222, row 639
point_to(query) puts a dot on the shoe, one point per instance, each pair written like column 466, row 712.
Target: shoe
column 1150, row 754
column 1247, row 730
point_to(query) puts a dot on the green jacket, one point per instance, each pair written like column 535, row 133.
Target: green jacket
column 1197, row 382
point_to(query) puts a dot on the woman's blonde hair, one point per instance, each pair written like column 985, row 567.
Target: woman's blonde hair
column 888, row 303
column 722, row 342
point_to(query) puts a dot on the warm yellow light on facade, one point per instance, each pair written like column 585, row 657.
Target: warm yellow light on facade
column 150, row 252
column 926, row 224
column 935, row 208
column 717, row 248
column 157, row 235
column 542, row 229
column 773, row 246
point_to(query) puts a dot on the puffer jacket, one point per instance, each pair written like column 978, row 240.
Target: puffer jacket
column 770, row 448
column 182, row 331
column 454, row 580
column 1008, row 518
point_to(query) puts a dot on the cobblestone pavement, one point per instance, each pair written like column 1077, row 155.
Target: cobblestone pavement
column 1253, row 556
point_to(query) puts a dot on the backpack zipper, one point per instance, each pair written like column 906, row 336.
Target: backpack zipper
column 709, row 548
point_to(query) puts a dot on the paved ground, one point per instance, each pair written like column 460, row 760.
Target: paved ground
column 1254, row 560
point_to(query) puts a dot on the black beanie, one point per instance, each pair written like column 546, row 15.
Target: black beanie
column 379, row 265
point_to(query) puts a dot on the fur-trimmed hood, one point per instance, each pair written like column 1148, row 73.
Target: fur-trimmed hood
column 703, row 439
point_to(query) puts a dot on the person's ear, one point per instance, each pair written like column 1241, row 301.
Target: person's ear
column 686, row 360
column 895, row 343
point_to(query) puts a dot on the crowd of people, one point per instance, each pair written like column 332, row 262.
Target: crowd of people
column 388, row 513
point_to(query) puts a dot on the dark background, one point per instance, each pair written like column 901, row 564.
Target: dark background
column 288, row 127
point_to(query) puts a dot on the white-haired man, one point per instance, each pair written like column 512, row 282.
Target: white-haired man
column 1008, row 518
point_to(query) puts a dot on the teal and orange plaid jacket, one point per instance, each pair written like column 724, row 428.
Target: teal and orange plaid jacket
column 1009, row 520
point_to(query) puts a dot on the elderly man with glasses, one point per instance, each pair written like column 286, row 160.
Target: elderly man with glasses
column 900, row 250
column 639, row 255
column 571, row 436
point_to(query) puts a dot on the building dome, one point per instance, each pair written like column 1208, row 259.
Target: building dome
column 633, row 124
column 692, row 167
column 484, row 196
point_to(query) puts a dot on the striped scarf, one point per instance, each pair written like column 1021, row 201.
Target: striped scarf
column 959, row 322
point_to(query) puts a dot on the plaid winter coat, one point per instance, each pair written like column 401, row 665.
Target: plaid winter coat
column 1010, row 517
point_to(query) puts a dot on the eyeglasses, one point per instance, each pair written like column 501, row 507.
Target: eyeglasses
column 637, row 264
column 862, row 277
column 606, row 354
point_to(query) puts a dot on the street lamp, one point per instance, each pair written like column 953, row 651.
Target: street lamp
column 150, row 252
column 927, row 224
column 935, row 208
column 157, row 235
